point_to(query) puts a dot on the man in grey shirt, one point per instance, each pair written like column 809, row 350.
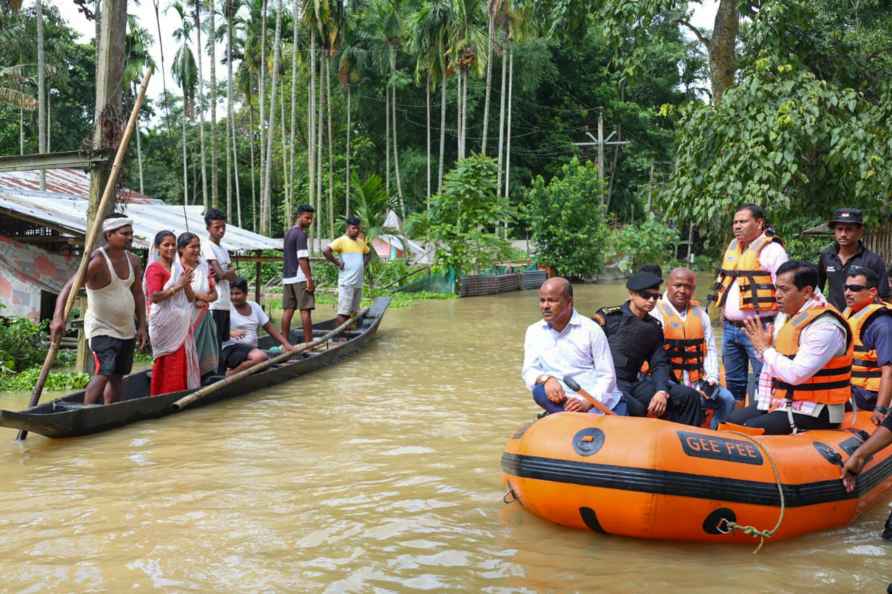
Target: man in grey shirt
column 297, row 278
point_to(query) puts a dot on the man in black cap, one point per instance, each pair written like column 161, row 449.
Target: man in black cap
column 847, row 252
column 636, row 337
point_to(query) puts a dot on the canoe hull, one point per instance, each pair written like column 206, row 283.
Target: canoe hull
column 64, row 417
column 659, row 480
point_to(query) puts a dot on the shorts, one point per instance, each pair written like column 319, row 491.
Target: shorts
column 112, row 356
column 349, row 298
column 234, row 355
column 221, row 321
column 295, row 296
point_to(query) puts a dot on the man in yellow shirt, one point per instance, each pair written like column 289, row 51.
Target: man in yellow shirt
column 352, row 256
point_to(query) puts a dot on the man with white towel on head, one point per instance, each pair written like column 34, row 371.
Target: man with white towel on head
column 116, row 310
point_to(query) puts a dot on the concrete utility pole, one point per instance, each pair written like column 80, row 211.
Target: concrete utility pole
column 601, row 142
column 108, row 117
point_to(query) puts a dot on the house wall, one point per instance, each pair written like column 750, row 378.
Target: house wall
column 25, row 272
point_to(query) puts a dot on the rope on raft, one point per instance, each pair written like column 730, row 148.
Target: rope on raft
column 725, row 526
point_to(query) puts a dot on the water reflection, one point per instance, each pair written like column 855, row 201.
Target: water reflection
column 380, row 474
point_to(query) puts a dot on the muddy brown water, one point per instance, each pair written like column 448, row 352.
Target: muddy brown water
column 379, row 475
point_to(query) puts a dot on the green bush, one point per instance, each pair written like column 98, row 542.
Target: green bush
column 56, row 381
column 21, row 345
column 567, row 220
column 466, row 214
column 650, row 242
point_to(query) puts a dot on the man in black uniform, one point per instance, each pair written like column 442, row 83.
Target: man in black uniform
column 845, row 253
column 635, row 337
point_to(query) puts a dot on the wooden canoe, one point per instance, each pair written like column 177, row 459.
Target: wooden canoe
column 68, row 417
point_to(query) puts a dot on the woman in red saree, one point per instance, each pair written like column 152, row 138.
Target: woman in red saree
column 169, row 297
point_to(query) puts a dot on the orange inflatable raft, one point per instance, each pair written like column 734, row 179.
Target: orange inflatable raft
column 655, row 479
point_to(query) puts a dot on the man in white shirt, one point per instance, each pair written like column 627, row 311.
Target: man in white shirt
column 219, row 262
column 807, row 359
column 745, row 290
column 690, row 344
column 565, row 344
column 240, row 350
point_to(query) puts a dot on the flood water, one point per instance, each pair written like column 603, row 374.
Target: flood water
column 378, row 475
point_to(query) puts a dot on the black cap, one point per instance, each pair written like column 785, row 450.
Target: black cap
column 641, row 281
column 846, row 215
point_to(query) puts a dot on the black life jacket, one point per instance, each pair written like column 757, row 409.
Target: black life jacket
column 632, row 340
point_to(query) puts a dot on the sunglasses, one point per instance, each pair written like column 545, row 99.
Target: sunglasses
column 650, row 295
column 855, row 288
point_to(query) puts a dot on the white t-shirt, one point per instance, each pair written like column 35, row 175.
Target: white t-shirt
column 212, row 251
column 248, row 324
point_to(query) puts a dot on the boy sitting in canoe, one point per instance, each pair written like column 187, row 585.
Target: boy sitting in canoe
column 240, row 351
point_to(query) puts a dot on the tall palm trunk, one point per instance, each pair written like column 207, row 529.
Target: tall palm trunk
column 163, row 67
column 295, row 19
column 427, row 97
column 311, row 121
column 347, row 156
column 283, row 137
column 185, row 158
column 212, row 52
column 490, row 43
column 396, row 151
column 251, row 130
column 442, row 156
column 458, row 98
column 261, row 92
column 266, row 198
column 320, row 120
column 387, row 138
column 508, row 127
column 41, row 90
column 238, row 192
column 464, row 113
column 204, row 173
column 330, row 149
column 230, row 125
column 502, row 120
column 138, row 147
column 21, row 131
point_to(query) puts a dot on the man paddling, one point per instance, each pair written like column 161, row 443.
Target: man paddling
column 114, row 301
column 566, row 344
column 880, row 439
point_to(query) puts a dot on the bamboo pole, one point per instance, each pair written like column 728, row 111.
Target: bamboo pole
column 217, row 386
column 89, row 242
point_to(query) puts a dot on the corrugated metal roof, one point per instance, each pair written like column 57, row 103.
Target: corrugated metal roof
column 71, row 182
column 69, row 212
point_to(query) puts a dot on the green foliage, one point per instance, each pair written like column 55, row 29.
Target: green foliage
column 567, row 220
column 783, row 138
column 56, row 381
column 649, row 242
column 20, row 344
column 465, row 215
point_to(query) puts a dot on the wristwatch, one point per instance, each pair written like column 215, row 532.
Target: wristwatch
column 542, row 378
column 883, row 410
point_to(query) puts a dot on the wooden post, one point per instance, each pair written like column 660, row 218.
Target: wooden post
column 109, row 74
column 257, row 267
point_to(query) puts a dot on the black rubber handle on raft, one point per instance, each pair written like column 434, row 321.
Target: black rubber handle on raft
column 571, row 383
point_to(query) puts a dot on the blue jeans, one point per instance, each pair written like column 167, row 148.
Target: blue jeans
column 723, row 402
column 550, row 407
column 737, row 352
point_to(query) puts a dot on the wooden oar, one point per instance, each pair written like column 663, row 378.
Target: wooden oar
column 216, row 386
column 573, row 385
column 89, row 242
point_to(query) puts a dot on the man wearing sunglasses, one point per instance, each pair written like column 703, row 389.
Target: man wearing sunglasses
column 871, row 322
column 847, row 252
column 636, row 337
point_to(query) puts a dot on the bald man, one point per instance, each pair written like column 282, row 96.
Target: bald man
column 690, row 345
column 564, row 344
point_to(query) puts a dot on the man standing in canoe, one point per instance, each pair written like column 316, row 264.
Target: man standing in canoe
column 744, row 290
column 565, row 344
column 806, row 377
column 354, row 255
column 636, row 337
column 871, row 323
column 297, row 278
column 114, row 300
column 220, row 264
column 847, row 252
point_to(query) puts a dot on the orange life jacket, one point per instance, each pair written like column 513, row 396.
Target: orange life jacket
column 756, row 287
column 865, row 371
column 685, row 341
column 832, row 383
